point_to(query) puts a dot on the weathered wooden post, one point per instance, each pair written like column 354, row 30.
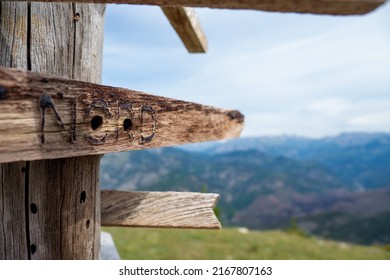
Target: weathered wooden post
column 52, row 130
column 50, row 209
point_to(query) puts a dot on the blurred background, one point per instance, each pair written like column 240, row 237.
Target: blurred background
column 310, row 176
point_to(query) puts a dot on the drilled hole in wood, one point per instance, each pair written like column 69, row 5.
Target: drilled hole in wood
column 33, row 208
column 96, row 122
column 83, row 196
column 23, row 169
column 87, row 223
column 33, row 248
column 127, row 124
column 2, row 93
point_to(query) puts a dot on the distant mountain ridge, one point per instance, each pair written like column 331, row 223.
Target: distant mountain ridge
column 266, row 182
column 361, row 160
column 270, row 144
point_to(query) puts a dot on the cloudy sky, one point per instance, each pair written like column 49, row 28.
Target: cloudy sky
column 289, row 74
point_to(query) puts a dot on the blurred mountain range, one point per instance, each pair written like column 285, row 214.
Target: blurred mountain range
column 335, row 187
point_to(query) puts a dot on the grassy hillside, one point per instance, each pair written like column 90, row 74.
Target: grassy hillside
column 229, row 243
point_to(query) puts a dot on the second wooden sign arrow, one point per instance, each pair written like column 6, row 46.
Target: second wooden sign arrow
column 43, row 117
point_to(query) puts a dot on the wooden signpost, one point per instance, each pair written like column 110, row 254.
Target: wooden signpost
column 56, row 121
column 50, row 209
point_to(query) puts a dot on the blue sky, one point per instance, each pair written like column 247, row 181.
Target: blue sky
column 289, row 74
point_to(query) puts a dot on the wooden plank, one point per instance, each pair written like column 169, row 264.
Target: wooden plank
column 331, row 7
column 44, row 117
column 187, row 26
column 159, row 209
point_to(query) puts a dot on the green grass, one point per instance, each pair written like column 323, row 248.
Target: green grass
column 181, row 244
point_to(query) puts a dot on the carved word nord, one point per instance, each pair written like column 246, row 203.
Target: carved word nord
column 99, row 110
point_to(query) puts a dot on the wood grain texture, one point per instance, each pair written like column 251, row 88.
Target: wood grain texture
column 64, row 212
column 187, row 26
column 13, row 35
column 331, row 7
column 13, row 50
column 13, row 234
column 43, row 197
column 67, row 40
column 159, row 209
column 44, row 117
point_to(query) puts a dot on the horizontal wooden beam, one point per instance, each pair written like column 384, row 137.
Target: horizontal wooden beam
column 187, row 26
column 332, row 7
column 159, row 209
column 43, row 117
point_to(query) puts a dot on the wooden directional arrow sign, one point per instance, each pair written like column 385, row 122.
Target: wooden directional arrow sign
column 333, row 7
column 43, row 117
column 159, row 209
